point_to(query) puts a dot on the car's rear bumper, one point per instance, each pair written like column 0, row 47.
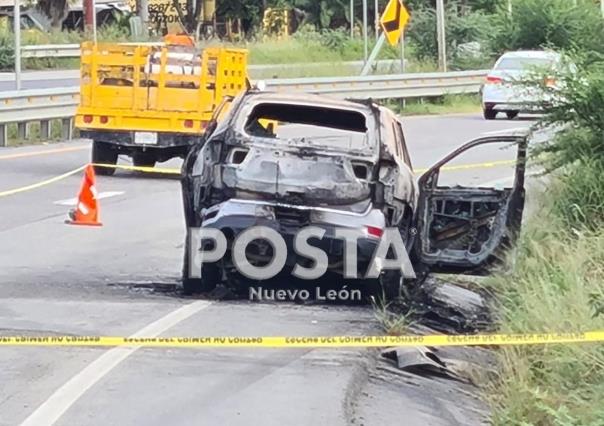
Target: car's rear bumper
column 503, row 98
column 513, row 106
column 235, row 216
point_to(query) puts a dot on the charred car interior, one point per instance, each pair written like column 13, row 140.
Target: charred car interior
column 290, row 161
column 466, row 229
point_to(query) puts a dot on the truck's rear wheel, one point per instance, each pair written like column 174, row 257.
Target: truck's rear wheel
column 102, row 153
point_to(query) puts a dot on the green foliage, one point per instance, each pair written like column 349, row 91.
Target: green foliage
column 576, row 151
column 559, row 24
column 557, row 274
column 558, row 278
column 325, row 13
column 447, row 104
column 472, row 26
column 7, row 52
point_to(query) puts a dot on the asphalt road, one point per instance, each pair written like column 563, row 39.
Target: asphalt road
column 119, row 280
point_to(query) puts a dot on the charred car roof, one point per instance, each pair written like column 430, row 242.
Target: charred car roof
column 331, row 118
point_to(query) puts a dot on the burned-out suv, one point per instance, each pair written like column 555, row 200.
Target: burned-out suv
column 287, row 161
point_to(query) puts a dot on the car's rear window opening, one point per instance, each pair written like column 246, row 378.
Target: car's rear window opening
column 519, row 63
column 332, row 127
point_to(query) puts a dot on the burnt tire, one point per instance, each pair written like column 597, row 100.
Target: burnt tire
column 511, row 114
column 210, row 276
column 391, row 285
column 103, row 153
column 489, row 113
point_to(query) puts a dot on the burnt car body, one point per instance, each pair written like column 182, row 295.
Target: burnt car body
column 290, row 161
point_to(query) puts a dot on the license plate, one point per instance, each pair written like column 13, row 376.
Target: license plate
column 146, row 138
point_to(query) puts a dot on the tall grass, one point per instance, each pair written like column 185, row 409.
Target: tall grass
column 557, row 286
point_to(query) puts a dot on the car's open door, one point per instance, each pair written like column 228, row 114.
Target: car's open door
column 466, row 229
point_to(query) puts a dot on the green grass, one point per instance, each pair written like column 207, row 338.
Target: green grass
column 447, row 104
column 33, row 137
column 307, row 46
column 557, row 285
column 393, row 323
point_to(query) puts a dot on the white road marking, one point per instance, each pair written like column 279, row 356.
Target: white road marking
column 74, row 201
column 507, row 131
column 507, row 182
column 59, row 402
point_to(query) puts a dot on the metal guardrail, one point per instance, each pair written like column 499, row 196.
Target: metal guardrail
column 51, row 51
column 46, row 104
column 41, row 105
column 385, row 86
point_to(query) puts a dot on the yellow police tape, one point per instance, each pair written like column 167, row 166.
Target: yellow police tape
column 176, row 171
column 306, row 341
column 162, row 170
column 42, row 183
column 79, row 169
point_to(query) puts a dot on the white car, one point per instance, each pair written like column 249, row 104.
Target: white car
column 502, row 93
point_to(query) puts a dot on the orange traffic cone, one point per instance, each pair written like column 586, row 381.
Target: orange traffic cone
column 87, row 209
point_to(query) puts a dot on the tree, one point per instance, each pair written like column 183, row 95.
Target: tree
column 188, row 13
column 55, row 10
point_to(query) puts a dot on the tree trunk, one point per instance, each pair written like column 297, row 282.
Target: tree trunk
column 55, row 10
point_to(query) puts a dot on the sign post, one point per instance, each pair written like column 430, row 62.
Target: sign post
column 441, row 36
column 393, row 22
column 365, row 49
column 17, row 30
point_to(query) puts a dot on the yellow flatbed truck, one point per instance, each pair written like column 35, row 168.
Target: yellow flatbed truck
column 152, row 102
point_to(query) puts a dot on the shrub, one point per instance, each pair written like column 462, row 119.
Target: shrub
column 461, row 28
column 7, row 52
column 560, row 24
column 576, row 151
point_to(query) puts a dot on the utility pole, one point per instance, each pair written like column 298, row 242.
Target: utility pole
column 143, row 13
column 366, row 45
column 440, row 35
column 93, row 20
column 17, row 30
column 88, row 15
column 352, row 18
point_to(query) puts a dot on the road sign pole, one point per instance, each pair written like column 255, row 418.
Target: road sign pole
column 441, row 37
column 402, row 53
column 143, row 13
column 351, row 18
column 17, row 31
column 366, row 45
column 374, row 54
column 94, row 20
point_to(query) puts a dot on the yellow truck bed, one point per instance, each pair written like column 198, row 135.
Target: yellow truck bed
column 121, row 84
column 151, row 102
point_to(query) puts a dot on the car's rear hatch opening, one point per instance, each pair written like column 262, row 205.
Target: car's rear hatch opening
column 303, row 154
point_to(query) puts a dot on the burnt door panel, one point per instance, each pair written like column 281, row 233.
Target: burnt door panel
column 465, row 229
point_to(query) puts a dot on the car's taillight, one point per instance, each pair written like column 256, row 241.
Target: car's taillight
column 493, row 80
column 550, row 82
column 374, row 231
column 104, row 119
column 88, row 119
column 189, row 123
